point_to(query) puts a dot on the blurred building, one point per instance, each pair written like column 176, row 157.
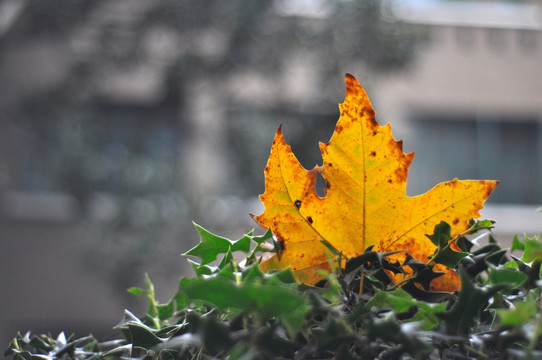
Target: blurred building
column 471, row 107
column 118, row 132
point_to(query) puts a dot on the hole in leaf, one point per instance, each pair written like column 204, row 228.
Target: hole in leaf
column 320, row 185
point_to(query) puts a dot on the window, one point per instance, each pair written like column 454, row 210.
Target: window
column 479, row 147
column 110, row 149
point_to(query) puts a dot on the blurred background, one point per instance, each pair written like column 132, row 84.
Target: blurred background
column 121, row 122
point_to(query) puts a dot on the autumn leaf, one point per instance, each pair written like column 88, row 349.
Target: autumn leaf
column 365, row 202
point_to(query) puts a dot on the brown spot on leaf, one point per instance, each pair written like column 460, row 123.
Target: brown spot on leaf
column 309, row 219
column 456, row 221
column 373, row 153
column 297, row 203
column 401, row 174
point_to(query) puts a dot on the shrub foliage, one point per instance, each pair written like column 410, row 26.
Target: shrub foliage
column 232, row 310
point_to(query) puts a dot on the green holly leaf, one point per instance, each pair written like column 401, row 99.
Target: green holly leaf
column 143, row 336
column 165, row 311
column 472, row 299
column 517, row 244
column 506, row 276
column 423, row 273
column 280, row 277
column 464, row 244
column 252, row 273
column 226, row 259
column 533, row 250
column 262, row 238
column 402, row 302
column 444, row 254
column 511, row 265
column 266, row 300
column 484, row 224
column 202, row 269
column 212, row 245
column 518, row 315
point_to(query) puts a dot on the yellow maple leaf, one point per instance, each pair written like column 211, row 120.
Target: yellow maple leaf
column 365, row 202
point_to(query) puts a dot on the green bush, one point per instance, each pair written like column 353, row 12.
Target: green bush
column 234, row 311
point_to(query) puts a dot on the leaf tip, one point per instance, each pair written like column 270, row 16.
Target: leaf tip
column 352, row 84
column 489, row 186
column 196, row 225
column 279, row 137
